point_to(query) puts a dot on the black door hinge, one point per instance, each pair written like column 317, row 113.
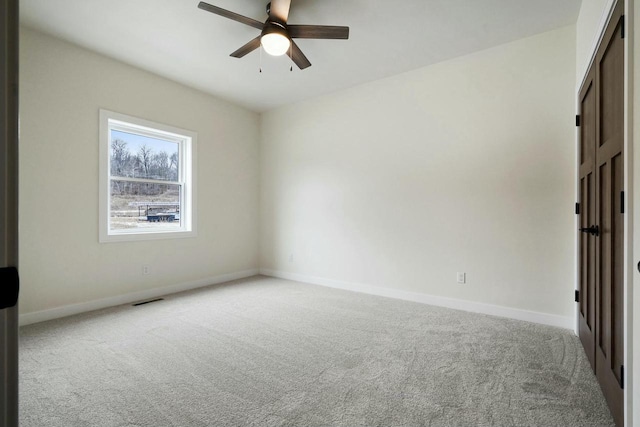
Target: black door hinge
column 10, row 288
column 622, row 377
column 577, row 296
column 622, row 202
column 622, row 35
column 577, row 119
column 577, row 208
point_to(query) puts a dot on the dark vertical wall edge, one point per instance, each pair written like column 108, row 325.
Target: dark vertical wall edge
column 9, row 34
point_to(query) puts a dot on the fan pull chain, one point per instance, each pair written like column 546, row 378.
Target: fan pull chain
column 260, row 68
column 291, row 55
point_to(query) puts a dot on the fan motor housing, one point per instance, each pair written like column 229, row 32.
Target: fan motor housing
column 272, row 27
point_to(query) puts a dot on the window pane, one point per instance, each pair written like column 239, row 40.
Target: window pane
column 137, row 156
column 139, row 205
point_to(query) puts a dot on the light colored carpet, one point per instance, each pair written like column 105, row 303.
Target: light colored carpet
column 270, row 352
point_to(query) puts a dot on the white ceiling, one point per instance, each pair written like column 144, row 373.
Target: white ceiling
column 175, row 39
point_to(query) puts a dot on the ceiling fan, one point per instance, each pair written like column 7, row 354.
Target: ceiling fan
column 276, row 35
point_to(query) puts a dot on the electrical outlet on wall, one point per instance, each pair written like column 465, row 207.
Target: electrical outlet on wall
column 462, row 277
column 145, row 270
column 290, row 257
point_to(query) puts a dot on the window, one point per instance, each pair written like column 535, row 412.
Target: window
column 147, row 181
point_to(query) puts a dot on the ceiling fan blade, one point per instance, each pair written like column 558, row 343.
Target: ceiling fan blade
column 231, row 15
column 318, row 32
column 298, row 57
column 247, row 48
column 280, row 10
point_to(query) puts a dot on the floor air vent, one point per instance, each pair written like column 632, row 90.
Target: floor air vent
column 147, row 302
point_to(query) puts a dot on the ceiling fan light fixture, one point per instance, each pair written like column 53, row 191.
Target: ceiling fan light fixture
column 275, row 38
column 275, row 44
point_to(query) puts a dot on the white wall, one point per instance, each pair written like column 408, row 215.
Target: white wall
column 61, row 261
column 466, row 165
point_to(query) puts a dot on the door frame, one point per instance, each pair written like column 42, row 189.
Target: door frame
column 630, row 275
column 633, row 133
column 9, row 34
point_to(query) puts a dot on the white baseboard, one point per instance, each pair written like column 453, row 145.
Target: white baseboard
column 566, row 322
column 69, row 310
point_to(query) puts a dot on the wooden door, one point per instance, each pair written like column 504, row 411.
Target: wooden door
column 587, row 210
column 601, row 175
column 610, row 214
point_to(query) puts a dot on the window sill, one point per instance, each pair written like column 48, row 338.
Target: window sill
column 135, row 237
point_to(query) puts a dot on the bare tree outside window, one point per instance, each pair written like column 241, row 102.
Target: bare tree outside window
column 148, row 203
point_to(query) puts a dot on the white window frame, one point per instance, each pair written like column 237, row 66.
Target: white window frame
column 187, row 141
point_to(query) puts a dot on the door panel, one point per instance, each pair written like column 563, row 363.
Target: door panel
column 587, row 242
column 609, row 253
column 617, row 268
